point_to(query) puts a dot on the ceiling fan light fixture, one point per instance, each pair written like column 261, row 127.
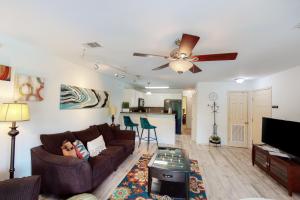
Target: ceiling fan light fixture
column 157, row 87
column 180, row 66
column 240, row 80
column 183, row 55
column 148, row 93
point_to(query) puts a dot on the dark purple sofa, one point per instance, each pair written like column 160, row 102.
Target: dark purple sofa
column 67, row 176
column 27, row 188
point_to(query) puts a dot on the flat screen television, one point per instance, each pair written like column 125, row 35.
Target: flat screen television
column 282, row 134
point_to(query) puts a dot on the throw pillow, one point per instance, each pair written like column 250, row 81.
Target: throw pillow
column 81, row 151
column 96, row 146
column 68, row 149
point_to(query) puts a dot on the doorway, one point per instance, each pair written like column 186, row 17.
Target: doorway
column 261, row 107
column 238, row 119
column 184, row 107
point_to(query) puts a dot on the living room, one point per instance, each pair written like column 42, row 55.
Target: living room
column 81, row 68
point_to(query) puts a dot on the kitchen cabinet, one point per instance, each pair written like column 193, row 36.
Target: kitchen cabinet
column 132, row 96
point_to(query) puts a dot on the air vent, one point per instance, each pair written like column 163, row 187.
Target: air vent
column 298, row 25
column 92, row 44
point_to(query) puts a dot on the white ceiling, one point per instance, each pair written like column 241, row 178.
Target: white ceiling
column 262, row 31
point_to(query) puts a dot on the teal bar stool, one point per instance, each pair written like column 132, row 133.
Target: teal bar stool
column 129, row 123
column 146, row 125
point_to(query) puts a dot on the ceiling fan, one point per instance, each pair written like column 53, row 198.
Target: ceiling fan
column 181, row 59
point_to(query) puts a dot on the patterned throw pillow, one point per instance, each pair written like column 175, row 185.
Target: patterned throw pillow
column 96, row 146
column 68, row 149
column 81, row 151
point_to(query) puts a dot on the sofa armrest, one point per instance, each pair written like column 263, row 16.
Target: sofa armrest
column 27, row 188
column 61, row 175
column 124, row 134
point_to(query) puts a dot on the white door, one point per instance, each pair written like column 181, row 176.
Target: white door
column 261, row 107
column 238, row 119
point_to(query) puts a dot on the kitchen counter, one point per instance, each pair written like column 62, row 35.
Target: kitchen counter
column 147, row 113
column 164, row 122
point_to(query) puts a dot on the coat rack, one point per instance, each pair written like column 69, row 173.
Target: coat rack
column 214, row 139
column 214, row 107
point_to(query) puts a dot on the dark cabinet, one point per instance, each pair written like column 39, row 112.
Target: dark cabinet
column 283, row 170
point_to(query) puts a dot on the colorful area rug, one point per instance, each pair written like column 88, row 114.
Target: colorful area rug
column 134, row 185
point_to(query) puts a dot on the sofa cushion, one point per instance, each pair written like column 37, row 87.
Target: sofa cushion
column 128, row 145
column 87, row 135
column 100, row 160
column 101, row 168
column 116, row 154
column 106, row 131
column 27, row 188
column 53, row 142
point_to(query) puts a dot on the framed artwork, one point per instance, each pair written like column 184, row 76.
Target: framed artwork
column 5, row 73
column 29, row 88
column 72, row 97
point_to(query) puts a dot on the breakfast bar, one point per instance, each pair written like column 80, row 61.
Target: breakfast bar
column 164, row 122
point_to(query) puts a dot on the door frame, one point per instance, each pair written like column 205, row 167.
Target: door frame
column 228, row 116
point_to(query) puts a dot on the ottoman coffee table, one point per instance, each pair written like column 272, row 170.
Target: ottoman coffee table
column 169, row 173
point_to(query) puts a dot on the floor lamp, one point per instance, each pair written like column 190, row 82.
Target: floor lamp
column 13, row 112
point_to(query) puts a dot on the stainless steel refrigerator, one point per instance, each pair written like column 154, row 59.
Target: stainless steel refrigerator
column 176, row 107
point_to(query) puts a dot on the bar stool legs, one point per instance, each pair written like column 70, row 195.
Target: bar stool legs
column 148, row 141
column 137, row 130
column 141, row 137
column 148, row 138
column 156, row 137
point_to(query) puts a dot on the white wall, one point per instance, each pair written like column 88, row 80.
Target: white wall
column 157, row 99
column 194, row 117
column 285, row 93
column 204, row 125
column 46, row 117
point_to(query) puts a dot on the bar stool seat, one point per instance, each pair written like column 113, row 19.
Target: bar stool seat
column 129, row 123
column 146, row 125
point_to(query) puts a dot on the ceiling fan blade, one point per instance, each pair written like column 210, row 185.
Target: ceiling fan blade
column 187, row 44
column 216, row 57
column 195, row 69
column 161, row 67
column 148, row 55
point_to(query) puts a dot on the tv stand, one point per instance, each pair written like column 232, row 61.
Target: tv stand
column 284, row 170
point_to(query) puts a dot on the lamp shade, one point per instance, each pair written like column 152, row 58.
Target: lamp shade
column 112, row 110
column 181, row 66
column 14, row 112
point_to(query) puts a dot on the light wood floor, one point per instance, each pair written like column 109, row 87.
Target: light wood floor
column 185, row 130
column 227, row 172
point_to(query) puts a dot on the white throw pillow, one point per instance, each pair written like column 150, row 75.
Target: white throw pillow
column 96, row 146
